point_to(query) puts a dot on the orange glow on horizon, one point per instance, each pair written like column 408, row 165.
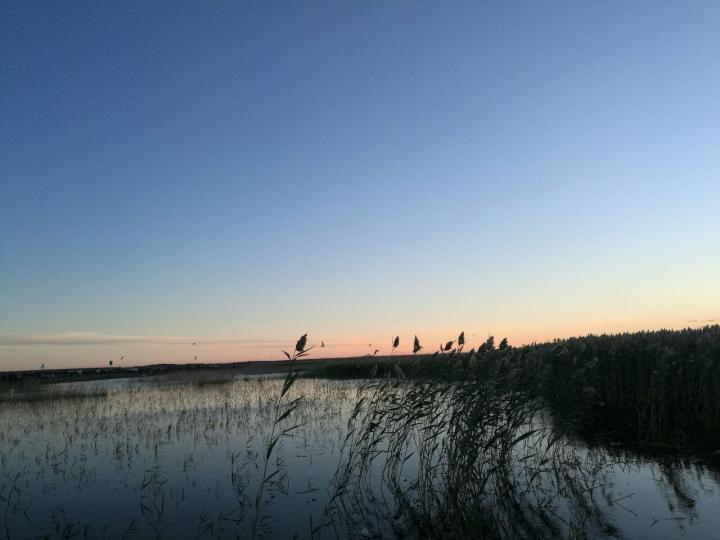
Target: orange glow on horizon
column 214, row 350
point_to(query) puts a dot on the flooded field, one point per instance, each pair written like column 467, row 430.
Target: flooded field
column 169, row 457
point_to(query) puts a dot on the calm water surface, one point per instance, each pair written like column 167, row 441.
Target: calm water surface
column 177, row 457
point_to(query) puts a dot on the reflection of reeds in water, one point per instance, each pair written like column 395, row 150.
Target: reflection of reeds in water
column 452, row 446
column 462, row 456
column 137, row 431
column 154, row 442
column 460, row 460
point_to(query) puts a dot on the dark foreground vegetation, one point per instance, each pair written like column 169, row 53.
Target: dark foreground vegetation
column 462, row 459
column 659, row 388
column 483, row 443
column 653, row 388
column 489, row 436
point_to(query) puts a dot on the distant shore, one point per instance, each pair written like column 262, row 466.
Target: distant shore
column 250, row 367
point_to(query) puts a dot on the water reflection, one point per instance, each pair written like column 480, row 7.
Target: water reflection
column 180, row 458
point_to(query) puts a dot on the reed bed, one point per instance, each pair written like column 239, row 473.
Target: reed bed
column 462, row 459
column 486, row 443
column 657, row 389
column 167, row 461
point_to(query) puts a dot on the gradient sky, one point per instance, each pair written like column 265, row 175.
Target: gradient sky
column 239, row 173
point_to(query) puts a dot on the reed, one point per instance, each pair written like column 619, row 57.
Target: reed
column 648, row 388
column 466, row 458
column 283, row 408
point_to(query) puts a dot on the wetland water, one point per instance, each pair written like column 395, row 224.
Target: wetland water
column 175, row 457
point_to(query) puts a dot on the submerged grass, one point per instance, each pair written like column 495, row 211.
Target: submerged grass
column 164, row 460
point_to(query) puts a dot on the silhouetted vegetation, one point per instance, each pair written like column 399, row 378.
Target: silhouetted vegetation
column 455, row 444
column 471, row 430
column 659, row 387
column 461, row 459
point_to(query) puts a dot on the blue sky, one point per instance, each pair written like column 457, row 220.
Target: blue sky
column 242, row 172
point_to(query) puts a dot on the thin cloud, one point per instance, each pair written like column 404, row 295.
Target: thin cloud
column 91, row 338
column 81, row 339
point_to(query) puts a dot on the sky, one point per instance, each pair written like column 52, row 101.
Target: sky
column 236, row 174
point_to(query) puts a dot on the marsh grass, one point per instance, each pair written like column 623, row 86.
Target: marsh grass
column 34, row 391
column 283, row 408
column 483, row 466
column 657, row 389
column 460, row 459
column 654, row 388
column 171, row 458
column 488, row 443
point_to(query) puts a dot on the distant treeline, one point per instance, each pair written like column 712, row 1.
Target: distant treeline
column 660, row 387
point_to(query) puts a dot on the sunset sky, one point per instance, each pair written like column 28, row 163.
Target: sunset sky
column 236, row 174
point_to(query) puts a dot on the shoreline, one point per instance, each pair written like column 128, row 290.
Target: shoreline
column 247, row 367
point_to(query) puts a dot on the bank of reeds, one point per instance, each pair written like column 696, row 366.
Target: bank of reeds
column 464, row 458
column 655, row 388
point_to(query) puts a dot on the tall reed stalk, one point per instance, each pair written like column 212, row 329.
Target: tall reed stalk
column 282, row 410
